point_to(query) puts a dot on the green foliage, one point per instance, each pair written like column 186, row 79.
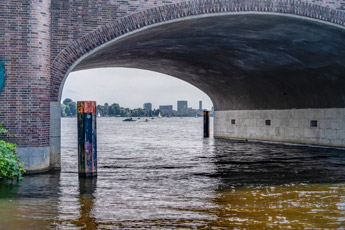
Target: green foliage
column 67, row 101
column 10, row 165
column 68, row 108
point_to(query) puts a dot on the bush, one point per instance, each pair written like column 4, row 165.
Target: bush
column 10, row 165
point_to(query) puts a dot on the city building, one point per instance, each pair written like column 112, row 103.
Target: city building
column 166, row 109
column 147, row 106
column 182, row 106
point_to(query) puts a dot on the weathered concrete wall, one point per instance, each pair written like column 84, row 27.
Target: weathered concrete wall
column 292, row 126
column 35, row 159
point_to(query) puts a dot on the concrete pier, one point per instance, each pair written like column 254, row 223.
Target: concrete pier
column 301, row 126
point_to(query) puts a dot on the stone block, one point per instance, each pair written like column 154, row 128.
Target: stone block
column 260, row 122
column 252, row 122
column 325, row 123
column 330, row 134
column 294, row 123
column 330, row 113
column 341, row 135
column 289, row 132
column 301, row 114
column 336, row 124
column 284, row 122
column 311, row 133
column 299, row 132
column 316, row 114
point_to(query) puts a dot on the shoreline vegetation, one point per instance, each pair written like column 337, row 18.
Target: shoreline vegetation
column 69, row 109
column 11, row 168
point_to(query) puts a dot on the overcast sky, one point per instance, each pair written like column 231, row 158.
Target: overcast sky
column 132, row 88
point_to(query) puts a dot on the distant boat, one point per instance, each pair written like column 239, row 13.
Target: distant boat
column 159, row 115
column 129, row 119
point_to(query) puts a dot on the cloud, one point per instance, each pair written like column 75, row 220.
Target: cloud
column 132, row 88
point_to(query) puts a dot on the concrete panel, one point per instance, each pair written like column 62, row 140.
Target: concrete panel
column 55, row 135
column 291, row 126
column 35, row 159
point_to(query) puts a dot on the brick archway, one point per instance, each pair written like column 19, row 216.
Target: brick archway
column 108, row 35
column 68, row 58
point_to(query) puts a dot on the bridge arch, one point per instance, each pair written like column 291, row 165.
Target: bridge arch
column 242, row 87
column 70, row 57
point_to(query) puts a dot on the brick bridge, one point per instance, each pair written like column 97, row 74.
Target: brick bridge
column 274, row 69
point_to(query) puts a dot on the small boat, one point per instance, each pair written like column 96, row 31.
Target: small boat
column 129, row 119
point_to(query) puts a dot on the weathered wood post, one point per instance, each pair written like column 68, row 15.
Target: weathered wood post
column 87, row 139
column 206, row 123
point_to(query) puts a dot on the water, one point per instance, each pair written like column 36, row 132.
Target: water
column 163, row 175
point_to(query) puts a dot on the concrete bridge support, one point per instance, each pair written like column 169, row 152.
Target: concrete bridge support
column 302, row 126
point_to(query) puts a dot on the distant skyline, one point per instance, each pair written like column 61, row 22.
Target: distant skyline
column 132, row 88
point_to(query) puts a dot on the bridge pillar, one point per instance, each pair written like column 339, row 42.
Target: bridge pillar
column 24, row 98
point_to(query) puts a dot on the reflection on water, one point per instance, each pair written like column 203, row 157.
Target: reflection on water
column 87, row 188
column 289, row 206
column 163, row 174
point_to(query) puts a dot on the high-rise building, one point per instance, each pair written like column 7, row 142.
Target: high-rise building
column 148, row 106
column 182, row 106
column 166, row 109
column 200, row 105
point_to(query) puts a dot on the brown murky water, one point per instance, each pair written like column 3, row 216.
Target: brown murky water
column 164, row 175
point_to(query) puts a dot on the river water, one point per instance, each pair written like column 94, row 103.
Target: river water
column 162, row 174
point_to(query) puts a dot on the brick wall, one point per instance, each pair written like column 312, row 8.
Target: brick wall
column 25, row 50
column 72, row 19
column 334, row 4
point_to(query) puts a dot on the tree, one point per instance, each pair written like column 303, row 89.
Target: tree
column 67, row 101
column 106, row 109
column 72, row 108
column 68, row 108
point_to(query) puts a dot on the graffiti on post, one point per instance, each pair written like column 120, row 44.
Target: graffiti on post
column 2, row 75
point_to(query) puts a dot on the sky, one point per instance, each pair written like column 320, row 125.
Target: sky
column 131, row 88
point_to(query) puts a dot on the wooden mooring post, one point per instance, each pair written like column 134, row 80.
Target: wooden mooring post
column 87, row 139
column 206, row 123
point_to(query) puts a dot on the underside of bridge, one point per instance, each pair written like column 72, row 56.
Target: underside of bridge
column 271, row 77
column 243, row 62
